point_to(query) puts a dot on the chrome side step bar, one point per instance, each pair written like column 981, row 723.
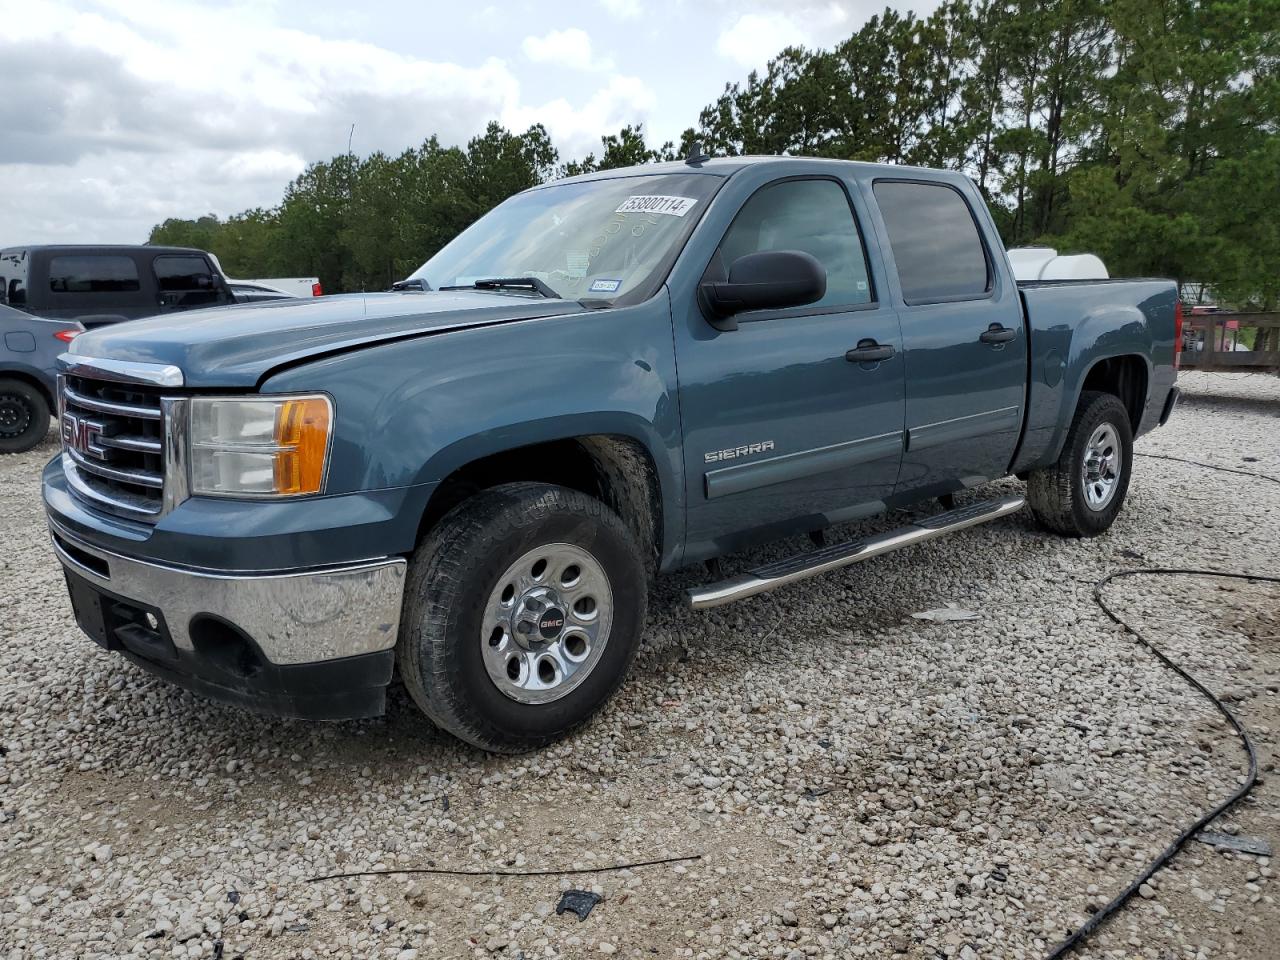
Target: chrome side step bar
column 806, row 565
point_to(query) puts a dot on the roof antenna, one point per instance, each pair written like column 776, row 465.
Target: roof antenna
column 696, row 154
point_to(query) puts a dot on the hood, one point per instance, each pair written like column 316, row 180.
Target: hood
column 238, row 346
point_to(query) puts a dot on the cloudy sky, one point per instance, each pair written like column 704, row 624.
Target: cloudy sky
column 119, row 113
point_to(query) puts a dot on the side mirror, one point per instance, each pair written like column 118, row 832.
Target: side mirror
column 768, row 280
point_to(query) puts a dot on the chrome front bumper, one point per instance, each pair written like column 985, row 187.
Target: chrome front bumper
column 294, row 617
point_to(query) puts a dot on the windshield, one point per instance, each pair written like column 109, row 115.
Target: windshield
column 596, row 240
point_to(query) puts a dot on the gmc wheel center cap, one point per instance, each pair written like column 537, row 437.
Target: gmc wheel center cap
column 551, row 623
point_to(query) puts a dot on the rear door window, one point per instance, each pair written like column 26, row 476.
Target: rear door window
column 935, row 242
column 92, row 273
column 187, row 281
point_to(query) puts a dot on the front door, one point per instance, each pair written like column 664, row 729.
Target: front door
column 962, row 329
column 784, row 429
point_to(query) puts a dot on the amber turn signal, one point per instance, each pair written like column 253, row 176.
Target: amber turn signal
column 302, row 431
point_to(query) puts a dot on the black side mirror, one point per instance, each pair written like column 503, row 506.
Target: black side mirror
column 768, row 280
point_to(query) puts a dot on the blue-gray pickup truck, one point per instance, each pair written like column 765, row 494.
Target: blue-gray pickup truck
column 472, row 479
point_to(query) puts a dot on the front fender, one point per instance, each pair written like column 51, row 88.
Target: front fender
column 412, row 412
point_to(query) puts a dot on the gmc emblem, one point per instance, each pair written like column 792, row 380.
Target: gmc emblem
column 84, row 436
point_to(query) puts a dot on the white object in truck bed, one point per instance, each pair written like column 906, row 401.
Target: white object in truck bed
column 1044, row 263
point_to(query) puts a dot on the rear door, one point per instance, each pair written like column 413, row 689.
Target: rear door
column 782, row 432
column 962, row 332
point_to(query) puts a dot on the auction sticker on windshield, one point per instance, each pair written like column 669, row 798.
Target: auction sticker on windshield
column 671, row 206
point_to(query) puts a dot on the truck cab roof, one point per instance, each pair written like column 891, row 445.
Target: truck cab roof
column 728, row 166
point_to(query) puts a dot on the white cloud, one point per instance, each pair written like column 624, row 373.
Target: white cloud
column 117, row 198
column 577, row 127
column 186, row 78
column 622, row 9
column 121, row 114
column 564, row 48
column 754, row 38
column 263, row 165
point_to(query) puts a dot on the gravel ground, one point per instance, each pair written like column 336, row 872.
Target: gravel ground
column 856, row 782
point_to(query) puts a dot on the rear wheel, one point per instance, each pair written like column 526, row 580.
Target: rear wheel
column 523, row 611
column 1081, row 494
column 24, row 416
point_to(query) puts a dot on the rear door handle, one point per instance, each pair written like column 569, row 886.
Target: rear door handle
column 997, row 333
column 868, row 351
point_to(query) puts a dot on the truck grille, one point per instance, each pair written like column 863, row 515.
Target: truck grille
column 113, row 442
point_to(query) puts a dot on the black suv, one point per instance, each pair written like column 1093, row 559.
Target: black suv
column 96, row 285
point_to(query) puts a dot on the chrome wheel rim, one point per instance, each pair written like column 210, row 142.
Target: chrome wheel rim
column 1100, row 472
column 546, row 623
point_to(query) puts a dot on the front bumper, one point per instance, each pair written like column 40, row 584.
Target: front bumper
column 314, row 643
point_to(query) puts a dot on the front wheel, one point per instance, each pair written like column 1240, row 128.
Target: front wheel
column 523, row 611
column 1081, row 494
column 24, row 416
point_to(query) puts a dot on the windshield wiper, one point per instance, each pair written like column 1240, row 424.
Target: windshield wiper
column 517, row 283
column 416, row 283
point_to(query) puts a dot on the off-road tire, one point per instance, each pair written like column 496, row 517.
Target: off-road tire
column 24, row 416
column 1057, row 493
column 451, row 576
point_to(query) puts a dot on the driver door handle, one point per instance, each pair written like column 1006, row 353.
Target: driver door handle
column 997, row 333
column 868, row 351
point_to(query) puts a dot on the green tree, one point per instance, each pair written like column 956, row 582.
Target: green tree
column 312, row 219
column 197, row 233
column 500, row 163
column 1187, row 116
column 626, row 148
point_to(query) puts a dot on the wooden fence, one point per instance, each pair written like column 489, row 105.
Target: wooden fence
column 1217, row 341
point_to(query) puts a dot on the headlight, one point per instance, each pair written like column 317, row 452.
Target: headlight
column 259, row 446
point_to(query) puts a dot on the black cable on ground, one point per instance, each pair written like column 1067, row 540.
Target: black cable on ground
column 440, row 871
column 1210, row 466
column 1099, row 918
column 1095, row 921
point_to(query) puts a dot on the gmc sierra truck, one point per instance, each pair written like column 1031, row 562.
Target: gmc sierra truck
column 472, row 479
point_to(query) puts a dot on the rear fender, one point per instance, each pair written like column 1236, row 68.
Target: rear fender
column 1075, row 327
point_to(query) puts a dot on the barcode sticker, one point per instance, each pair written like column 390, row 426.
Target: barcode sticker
column 670, row 206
